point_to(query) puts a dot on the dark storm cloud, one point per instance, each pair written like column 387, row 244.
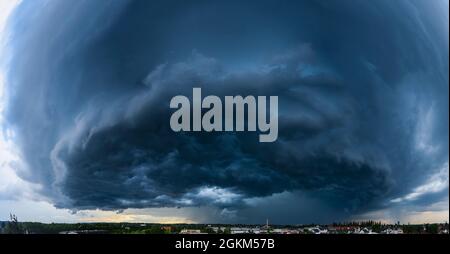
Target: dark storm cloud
column 363, row 91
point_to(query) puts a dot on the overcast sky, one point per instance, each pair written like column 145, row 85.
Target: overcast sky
column 363, row 115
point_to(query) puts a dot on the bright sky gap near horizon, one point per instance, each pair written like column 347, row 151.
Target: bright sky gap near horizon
column 395, row 137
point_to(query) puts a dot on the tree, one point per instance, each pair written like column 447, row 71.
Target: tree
column 376, row 227
column 154, row 230
column 433, row 228
column 208, row 230
column 227, row 230
column 13, row 226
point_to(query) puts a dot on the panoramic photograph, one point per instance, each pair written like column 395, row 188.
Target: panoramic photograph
column 230, row 118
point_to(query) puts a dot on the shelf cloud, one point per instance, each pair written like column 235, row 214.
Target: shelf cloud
column 363, row 106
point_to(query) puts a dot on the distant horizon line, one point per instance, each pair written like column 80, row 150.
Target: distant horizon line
column 248, row 224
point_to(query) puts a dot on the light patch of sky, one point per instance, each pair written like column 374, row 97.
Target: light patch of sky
column 10, row 184
column 436, row 183
column 436, row 213
column 42, row 211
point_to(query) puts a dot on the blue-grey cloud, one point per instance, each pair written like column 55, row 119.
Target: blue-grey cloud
column 363, row 91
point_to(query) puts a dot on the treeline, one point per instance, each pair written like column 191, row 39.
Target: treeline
column 15, row 227
column 12, row 226
column 377, row 226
